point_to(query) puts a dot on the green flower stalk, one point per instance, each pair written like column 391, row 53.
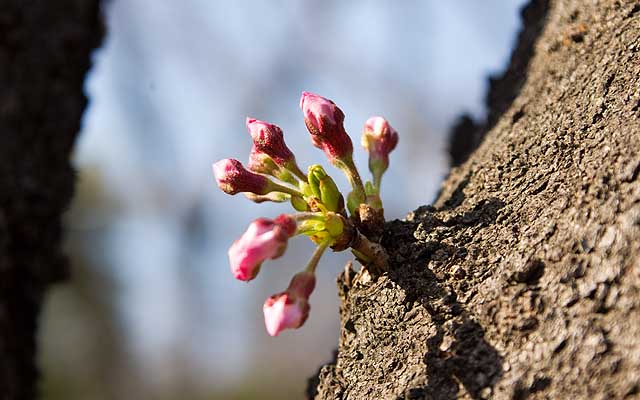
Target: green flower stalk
column 275, row 197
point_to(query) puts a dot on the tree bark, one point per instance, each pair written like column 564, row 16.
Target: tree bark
column 45, row 49
column 523, row 280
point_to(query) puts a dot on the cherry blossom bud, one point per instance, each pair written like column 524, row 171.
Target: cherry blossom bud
column 287, row 223
column 233, row 178
column 379, row 139
column 289, row 309
column 269, row 139
column 325, row 122
column 264, row 239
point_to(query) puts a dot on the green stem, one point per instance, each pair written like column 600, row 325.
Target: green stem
column 286, row 176
column 305, row 216
column 315, row 258
column 276, row 187
column 349, row 168
column 377, row 179
column 297, row 172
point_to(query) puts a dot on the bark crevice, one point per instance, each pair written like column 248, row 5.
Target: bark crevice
column 522, row 280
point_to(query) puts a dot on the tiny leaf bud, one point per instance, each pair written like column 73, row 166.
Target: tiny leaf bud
column 299, row 204
column 325, row 189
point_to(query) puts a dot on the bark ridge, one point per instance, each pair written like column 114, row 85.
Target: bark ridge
column 522, row 281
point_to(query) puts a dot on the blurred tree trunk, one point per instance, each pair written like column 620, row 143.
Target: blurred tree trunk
column 45, row 49
column 523, row 280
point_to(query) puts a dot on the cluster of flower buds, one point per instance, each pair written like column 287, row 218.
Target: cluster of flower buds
column 272, row 174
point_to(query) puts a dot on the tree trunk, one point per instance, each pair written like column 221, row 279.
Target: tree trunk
column 45, row 51
column 523, row 280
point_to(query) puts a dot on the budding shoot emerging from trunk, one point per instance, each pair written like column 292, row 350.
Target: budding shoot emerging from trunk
column 274, row 175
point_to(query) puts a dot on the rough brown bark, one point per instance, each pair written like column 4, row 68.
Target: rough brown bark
column 45, row 51
column 523, row 280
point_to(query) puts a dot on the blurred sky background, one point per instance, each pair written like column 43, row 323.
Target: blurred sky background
column 152, row 310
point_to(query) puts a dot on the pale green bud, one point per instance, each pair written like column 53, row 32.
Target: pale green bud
column 324, row 188
column 299, row 203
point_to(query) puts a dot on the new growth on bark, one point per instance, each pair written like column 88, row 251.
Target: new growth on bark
column 274, row 175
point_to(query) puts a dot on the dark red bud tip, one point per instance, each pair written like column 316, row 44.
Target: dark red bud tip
column 325, row 122
column 269, row 139
column 233, row 178
column 264, row 239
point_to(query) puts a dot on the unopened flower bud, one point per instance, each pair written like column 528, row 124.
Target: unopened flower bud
column 287, row 223
column 379, row 139
column 289, row 309
column 325, row 122
column 264, row 239
column 233, row 178
column 269, row 139
column 324, row 188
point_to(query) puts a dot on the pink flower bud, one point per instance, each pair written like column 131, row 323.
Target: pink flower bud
column 287, row 223
column 233, row 178
column 289, row 309
column 379, row 139
column 264, row 239
column 268, row 139
column 325, row 122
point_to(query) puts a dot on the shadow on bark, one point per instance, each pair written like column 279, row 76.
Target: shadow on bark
column 455, row 350
column 458, row 352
